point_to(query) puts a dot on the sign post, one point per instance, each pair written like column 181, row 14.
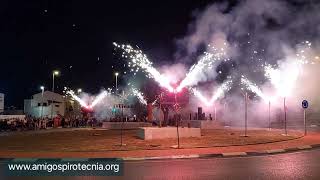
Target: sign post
column 305, row 105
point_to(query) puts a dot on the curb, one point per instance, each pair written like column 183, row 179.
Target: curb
column 226, row 155
column 191, row 156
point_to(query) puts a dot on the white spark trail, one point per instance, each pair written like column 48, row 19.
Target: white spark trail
column 197, row 70
column 140, row 60
column 99, row 98
column 255, row 89
column 226, row 86
column 75, row 97
column 140, row 96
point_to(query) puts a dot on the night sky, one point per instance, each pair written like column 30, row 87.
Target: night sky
column 75, row 37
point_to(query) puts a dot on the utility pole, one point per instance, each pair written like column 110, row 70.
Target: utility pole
column 269, row 115
column 285, row 116
column 245, row 114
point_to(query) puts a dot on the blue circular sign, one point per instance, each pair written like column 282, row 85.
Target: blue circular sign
column 305, row 104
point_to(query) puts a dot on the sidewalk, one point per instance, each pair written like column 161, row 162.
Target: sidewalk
column 310, row 141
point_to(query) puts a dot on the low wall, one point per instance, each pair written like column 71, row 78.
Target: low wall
column 12, row 116
column 125, row 125
column 148, row 133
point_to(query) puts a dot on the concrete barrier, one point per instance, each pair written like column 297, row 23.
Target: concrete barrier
column 148, row 133
column 125, row 125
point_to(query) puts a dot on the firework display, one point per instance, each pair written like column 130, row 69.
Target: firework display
column 140, row 96
column 205, row 63
column 140, row 60
column 84, row 104
column 282, row 76
column 218, row 93
column 254, row 88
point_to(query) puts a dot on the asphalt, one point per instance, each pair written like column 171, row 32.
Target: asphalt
column 295, row 165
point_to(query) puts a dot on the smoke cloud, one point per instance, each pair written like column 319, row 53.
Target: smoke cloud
column 260, row 33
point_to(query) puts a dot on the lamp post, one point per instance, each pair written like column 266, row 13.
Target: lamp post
column 42, row 91
column 245, row 113
column 176, row 107
column 285, row 115
column 215, row 113
column 269, row 116
column 305, row 121
column 160, row 101
column 116, row 74
column 54, row 73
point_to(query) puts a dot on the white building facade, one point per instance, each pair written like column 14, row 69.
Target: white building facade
column 46, row 104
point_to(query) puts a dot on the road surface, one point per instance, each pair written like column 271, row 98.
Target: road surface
column 298, row 165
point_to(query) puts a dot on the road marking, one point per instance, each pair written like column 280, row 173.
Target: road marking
column 305, row 147
column 234, row 154
column 275, row 151
column 133, row 159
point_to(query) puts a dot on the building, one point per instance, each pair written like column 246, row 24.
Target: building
column 1, row 103
column 48, row 104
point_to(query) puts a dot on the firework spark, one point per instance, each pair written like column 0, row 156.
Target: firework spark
column 140, row 96
column 284, row 77
column 99, row 98
column 206, row 62
column 140, row 60
column 96, row 101
column 255, row 89
column 78, row 99
column 218, row 93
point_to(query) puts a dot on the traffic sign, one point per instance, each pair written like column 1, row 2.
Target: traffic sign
column 305, row 104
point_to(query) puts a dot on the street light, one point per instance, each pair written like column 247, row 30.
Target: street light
column 116, row 74
column 79, row 91
column 54, row 73
column 42, row 90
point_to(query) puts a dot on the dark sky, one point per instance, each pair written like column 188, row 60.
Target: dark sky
column 75, row 37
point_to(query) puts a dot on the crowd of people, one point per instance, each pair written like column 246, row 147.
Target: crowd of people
column 32, row 123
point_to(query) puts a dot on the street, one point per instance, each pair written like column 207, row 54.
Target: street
column 298, row 165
